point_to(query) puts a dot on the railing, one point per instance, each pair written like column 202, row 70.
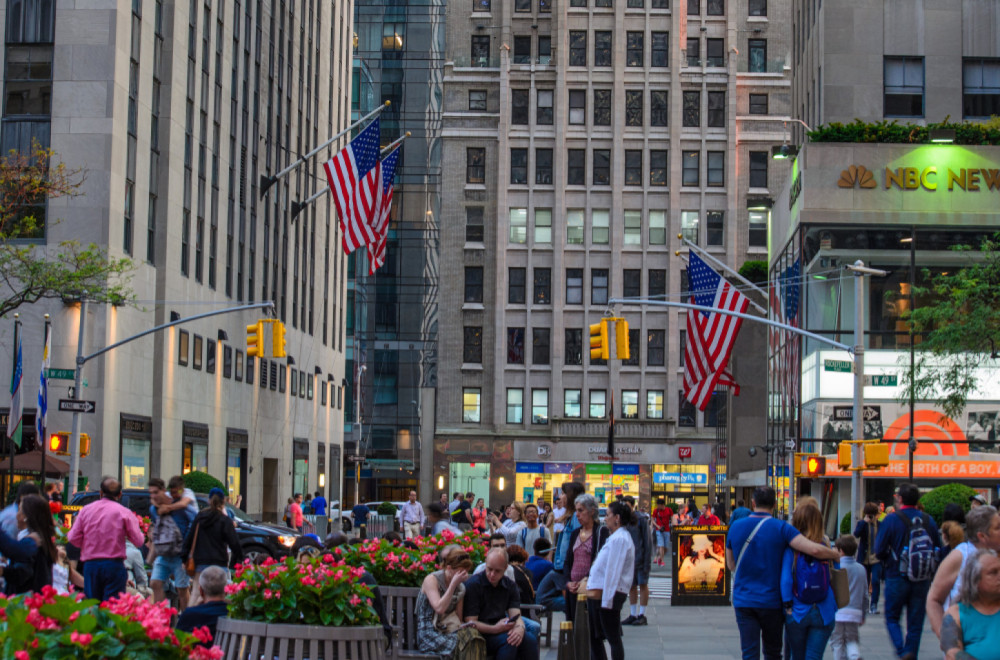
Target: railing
column 768, row 66
column 625, row 429
column 492, row 62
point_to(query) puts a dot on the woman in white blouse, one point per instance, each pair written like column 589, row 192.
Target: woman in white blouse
column 609, row 583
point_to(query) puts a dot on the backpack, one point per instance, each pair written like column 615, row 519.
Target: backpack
column 810, row 579
column 167, row 538
column 918, row 560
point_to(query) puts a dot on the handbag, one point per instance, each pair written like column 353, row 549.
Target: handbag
column 841, row 587
column 449, row 623
column 189, row 565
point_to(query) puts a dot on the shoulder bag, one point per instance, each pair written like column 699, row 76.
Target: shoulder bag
column 745, row 544
column 841, row 587
column 189, row 565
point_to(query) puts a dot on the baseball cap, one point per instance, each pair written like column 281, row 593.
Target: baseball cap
column 217, row 491
column 978, row 497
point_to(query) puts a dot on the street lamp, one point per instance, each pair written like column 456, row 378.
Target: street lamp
column 912, row 240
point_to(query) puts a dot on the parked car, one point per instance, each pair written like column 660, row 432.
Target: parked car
column 345, row 516
column 256, row 538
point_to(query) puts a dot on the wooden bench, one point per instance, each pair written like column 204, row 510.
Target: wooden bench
column 401, row 610
column 537, row 613
column 251, row 640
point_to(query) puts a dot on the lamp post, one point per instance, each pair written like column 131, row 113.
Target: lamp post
column 912, row 240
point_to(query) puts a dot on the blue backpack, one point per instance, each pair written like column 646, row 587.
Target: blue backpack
column 919, row 559
column 810, row 579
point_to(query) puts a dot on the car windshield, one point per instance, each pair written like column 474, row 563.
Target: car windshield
column 238, row 513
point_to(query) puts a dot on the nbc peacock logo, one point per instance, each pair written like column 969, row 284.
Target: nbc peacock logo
column 856, row 175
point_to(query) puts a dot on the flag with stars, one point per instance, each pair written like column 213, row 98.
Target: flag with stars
column 353, row 175
column 16, row 402
column 43, row 385
column 376, row 250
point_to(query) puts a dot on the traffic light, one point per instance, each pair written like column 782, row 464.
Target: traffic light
column 844, row 456
column 599, row 341
column 876, row 455
column 621, row 339
column 255, row 340
column 277, row 339
column 59, row 443
column 814, row 466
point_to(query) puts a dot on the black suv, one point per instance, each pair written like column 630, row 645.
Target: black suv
column 255, row 538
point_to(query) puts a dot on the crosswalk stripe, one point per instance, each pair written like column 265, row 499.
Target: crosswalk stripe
column 660, row 587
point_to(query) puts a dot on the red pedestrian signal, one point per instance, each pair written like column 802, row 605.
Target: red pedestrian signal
column 815, row 466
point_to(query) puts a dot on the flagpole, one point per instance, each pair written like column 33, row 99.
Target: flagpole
column 10, row 440
column 74, row 446
column 708, row 257
column 41, row 427
column 268, row 181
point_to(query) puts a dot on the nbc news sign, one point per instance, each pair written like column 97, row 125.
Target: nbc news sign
column 929, row 178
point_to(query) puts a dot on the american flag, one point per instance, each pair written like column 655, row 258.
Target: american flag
column 353, row 175
column 376, row 250
column 710, row 336
column 785, row 294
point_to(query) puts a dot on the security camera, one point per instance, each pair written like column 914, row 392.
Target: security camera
column 752, row 451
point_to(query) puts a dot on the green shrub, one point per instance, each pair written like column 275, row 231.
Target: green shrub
column 893, row 132
column 845, row 524
column 386, row 509
column 755, row 271
column 202, row 482
column 935, row 501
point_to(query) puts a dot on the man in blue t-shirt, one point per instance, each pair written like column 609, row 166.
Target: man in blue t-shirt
column 360, row 512
column 755, row 547
column 319, row 504
column 900, row 592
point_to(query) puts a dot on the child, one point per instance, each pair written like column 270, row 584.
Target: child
column 844, row 640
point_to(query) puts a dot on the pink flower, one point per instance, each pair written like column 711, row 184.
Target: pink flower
column 80, row 638
column 21, row 655
column 202, row 634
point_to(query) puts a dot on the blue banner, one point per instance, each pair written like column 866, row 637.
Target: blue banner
column 625, row 469
column 558, row 468
column 530, row 468
column 680, row 478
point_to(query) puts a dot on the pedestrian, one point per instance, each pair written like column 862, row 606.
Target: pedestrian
column 755, row 548
column 662, row 517
column 560, row 514
column 517, row 556
column 849, row 619
column 983, row 529
column 438, row 519
column 907, row 544
column 295, row 512
column 443, row 499
column 172, row 516
column 707, row 516
column 538, row 563
column 412, row 515
column 971, row 628
column 439, row 612
column 497, row 540
column 977, row 500
column 212, row 585
column 100, row 531
column 807, row 590
column 208, row 538
column 479, row 516
column 8, row 517
column 532, row 531
column 360, row 512
column 492, row 604
column 550, row 590
column 307, row 506
column 462, row 515
column 584, row 542
column 609, row 583
column 456, row 500
column 739, row 513
column 866, row 532
column 287, row 516
column 319, row 504
column 638, row 595
column 513, row 525
column 32, row 553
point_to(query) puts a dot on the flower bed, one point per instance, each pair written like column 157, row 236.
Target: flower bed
column 48, row 625
column 395, row 565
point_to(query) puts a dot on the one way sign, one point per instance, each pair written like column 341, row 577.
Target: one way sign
column 72, row 405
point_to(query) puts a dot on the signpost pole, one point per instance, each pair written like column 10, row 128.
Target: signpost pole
column 859, row 391
column 74, row 443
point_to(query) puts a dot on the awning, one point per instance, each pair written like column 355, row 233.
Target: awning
column 747, row 479
column 31, row 463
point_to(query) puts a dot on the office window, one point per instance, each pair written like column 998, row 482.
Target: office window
column 515, row 286
column 474, row 284
column 631, row 283
column 657, row 286
column 657, row 167
column 682, row 344
column 658, row 108
column 602, row 107
column 633, row 107
column 630, row 404
column 519, row 225
column 686, row 414
column 471, row 405
column 654, row 404
column 716, row 7
column 544, row 42
column 634, row 350
column 602, row 48
column 715, row 52
column 480, row 50
column 29, row 79
column 715, row 408
column 480, row 5
column 477, row 100
column 600, row 227
column 757, row 7
column 980, row 87
column 543, row 167
column 633, row 48
column 598, row 404
column 519, row 106
column 518, row 166
column 578, row 106
column 578, row 3
column 689, row 226
column 578, row 48
column 685, row 283
column 694, row 7
column 758, row 104
column 543, row 225
column 904, row 87
column 522, row 5
column 574, row 346
column 515, row 345
column 715, row 228
column 474, row 224
column 472, row 344
column 659, row 49
column 515, row 405
column 543, row 287
column 182, row 348
column 598, row 286
column 543, row 113
column 475, row 165
column 716, row 168
column 574, row 286
column 660, row 4
column 690, row 167
column 574, row 227
column 633, row 227
column 227, row 361
column 758, row 169
column 633, row 167
column 540, row 345
column 539, row 406
column 758, row 229
column 657, row 227
column 692, row 109
column 197, row 347
column 602, row 167
column 717, row 109
column 693, row 51
column 522, row 46
column 655, row 348
column 757, row 56
column 571, row 403
column 576, row 167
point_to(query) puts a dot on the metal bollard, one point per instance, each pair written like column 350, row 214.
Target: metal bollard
column 566, row 651
column 362, row 531
column 581, row 629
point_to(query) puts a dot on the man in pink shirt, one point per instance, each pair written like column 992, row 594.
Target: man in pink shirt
column 100, row 531
column 296, row 512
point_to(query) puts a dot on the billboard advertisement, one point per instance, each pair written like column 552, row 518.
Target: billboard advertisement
column 700, row 576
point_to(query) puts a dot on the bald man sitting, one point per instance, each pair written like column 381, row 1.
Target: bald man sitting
column 493, row 605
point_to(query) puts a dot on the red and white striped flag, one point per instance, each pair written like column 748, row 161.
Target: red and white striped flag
column 377, row 249
column 710, row 336
column 354, row 180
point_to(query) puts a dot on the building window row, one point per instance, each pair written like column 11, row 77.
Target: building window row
column 600, row 227
column 522, row 50
column 635, row 49
column 634, row 105
column 597, row 404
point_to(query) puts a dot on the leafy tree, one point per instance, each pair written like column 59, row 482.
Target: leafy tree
column 960, row 325
column 755, row 271
column 29, row 272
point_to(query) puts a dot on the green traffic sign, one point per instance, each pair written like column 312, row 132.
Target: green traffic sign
column 882, row 380
column 839, row 366
column 60, row 374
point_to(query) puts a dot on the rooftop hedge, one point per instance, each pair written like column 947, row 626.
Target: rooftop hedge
column 892, row 132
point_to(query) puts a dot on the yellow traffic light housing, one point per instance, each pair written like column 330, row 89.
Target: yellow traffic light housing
column 599, row 341
column 844, row 456
column 255, row 340
column 876, row 455
column 278, row 339
column 815, row 466
column 621, row 339
column 59, row 443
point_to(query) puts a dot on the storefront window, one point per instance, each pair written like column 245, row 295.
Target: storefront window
column 233, row 476
column 135, row 462
column 300, row 475
column 678, row 483
column 606, row 482
column 195, row 457
column 541, row 482
column 472, row 478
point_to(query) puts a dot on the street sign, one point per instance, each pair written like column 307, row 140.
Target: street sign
column 839, row 366
column 355, row 459
column 881, row 380
column 71, row 405
column 60, row 374
column 846, row 413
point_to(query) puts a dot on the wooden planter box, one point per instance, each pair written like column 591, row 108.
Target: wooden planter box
column 253, row 640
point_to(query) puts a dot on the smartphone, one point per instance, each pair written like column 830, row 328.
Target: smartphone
column 512, row 619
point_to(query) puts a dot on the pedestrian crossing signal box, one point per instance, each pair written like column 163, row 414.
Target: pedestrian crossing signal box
column 809, row 466
column 59, row 443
